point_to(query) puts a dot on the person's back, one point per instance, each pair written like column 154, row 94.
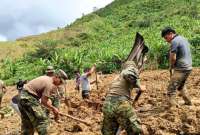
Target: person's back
column 120, row 86
column 40, row 86
column 181, row 47
column 85, row 85
column 84, row 81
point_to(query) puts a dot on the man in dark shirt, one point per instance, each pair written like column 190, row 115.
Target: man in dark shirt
column 181, row 62
column 20, row 84
column 15, row 99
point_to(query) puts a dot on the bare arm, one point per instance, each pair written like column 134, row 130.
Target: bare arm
column 91, row 71
column 92, row 82
column 46, row 102
column 135, row 82
column 139, row 92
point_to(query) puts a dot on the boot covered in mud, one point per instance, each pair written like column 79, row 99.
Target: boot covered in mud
column 185, row 97
column 171, row 103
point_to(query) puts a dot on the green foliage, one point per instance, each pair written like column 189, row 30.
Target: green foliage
column 144, row 23
column 44, row 50
column 106, row 36
column 195, row 42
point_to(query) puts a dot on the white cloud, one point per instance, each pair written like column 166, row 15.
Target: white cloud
column 3, row 38
column 29, row 17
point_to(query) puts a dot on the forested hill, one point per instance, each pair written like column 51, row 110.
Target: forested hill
column 105, row 37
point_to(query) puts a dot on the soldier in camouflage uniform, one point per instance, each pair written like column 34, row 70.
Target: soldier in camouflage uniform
column 181, row 62
column 117, row 108
column 33, row 115
column 2, row 91
column 56, row 94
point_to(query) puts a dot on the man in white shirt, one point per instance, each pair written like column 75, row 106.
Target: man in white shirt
column 85, row 83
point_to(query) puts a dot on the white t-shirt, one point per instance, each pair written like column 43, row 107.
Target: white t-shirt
column 85, row 83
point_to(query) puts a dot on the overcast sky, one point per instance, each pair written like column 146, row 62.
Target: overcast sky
column 19, row 18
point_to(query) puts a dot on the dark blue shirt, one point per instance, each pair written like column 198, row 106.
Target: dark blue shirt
column 181, row 47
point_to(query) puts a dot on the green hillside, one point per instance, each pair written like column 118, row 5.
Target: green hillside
column 106, row 36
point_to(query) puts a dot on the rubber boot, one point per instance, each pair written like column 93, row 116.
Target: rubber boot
column 172, row 102
column 185, row 97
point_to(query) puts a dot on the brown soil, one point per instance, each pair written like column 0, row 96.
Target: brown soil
column 155, row 119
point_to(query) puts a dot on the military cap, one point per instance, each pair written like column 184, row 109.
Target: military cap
column 63, row 76
column 50, row 69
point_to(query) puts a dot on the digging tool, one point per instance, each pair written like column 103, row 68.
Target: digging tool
column 76, row 119
column 119, row 131
column 96, row 80
column 171, row 72
column 138, row 51
column 66, row 100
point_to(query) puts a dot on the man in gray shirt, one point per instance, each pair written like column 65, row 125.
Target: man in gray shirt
column 181, row 62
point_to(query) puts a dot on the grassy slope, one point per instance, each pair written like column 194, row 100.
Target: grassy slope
column 115, row 25
column 106, row 36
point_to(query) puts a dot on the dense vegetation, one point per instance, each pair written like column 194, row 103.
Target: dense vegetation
column 106, row 36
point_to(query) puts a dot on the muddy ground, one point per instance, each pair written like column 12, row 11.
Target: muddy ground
column 155, row 119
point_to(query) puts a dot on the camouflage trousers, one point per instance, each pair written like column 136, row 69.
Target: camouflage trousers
column 55, row 101
column 118, row 111
column 33, row 115
column 177, row 81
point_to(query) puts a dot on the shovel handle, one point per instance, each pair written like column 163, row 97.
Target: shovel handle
column 74, row 118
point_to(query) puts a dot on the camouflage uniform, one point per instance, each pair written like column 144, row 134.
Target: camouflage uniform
column 177, row 82
column 55, row 97
column 55, row 101
column 119, row 111
column 32, row 114
column 117, row 108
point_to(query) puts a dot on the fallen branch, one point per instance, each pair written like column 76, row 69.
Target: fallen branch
column 74, row 118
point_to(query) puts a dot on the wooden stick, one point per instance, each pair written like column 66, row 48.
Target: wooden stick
column 119, row 130
column 74, row 118
column 96, row 80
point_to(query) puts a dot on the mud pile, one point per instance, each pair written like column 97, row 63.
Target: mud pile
column 156, row 120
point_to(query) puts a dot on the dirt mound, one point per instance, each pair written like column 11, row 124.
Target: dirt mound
column 156, row 120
